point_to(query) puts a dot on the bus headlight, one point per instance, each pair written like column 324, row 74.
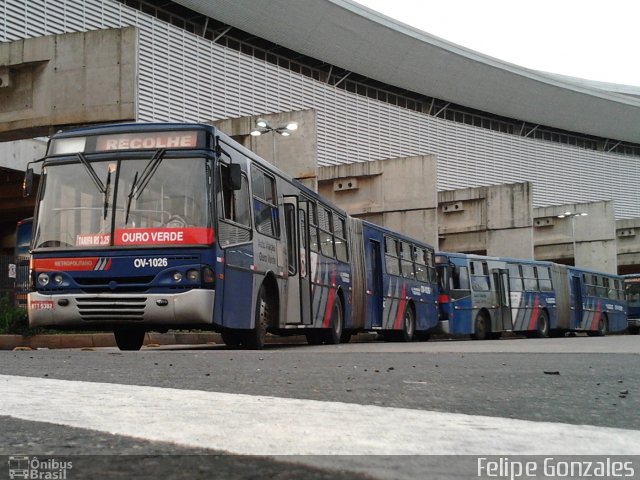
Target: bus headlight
column 177, row 277
column 193, row 275
column 43, row 279
column 57, row 279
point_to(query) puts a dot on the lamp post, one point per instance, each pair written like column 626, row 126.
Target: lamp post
column 262, row 127
column 573, row 216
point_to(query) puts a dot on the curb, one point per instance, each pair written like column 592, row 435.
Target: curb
column 99, row 340
column 152, row 339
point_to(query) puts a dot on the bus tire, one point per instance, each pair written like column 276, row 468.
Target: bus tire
column 331, row 336
column 542, row 325
column 129, row 338
column 405, row 334
column 602, row 328
column 481, row 327
column 633, row 329
column 255, row 338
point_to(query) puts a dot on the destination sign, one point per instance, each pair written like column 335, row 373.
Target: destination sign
column 148, row 140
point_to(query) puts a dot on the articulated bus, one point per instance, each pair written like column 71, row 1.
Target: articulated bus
column 174, row 226
column 632, row 293
column 486, row 296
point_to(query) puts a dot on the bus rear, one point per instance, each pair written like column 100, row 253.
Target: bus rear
column 123, row 235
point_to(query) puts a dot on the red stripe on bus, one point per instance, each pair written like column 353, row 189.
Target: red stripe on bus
column 78, row 264
column 596, row 318
column 330, row 300
column 400, row 312
column 535, row 314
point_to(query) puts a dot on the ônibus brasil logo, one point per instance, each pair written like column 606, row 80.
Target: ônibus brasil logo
column 22, row 466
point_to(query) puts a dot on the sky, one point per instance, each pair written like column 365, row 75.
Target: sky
column 591, row 39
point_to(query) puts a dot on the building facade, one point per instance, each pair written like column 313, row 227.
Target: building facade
column 186, row 74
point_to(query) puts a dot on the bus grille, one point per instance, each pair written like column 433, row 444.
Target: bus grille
column 101, row 308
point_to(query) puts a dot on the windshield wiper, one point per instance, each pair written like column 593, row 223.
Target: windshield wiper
column 92, row 173
column 138, row 186
column 106, row 195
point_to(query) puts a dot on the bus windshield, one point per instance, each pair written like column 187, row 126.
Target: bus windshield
column 124, row 204
column 633, row 293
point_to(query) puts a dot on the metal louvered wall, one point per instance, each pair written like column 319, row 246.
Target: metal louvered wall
column 184, row 77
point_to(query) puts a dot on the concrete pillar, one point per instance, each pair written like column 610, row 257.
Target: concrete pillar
column 70, row 79
column 588, row 241
column 493, row 220
column 399, row 194
column 628, row 245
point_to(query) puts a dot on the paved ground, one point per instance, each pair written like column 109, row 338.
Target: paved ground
column 510, row 396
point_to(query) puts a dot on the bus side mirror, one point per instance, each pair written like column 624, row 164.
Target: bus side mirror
column 235, row 176
column 27, row 183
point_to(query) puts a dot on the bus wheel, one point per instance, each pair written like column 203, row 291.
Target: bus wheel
column 129, row 338
column 602, row 328
column 542, row 326
column 232, row 339
column 333, row 334
column 633, row 329
column 408, row 325
column 254, row 339
column 481, row 327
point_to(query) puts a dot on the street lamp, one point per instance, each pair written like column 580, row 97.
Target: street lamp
column 573, row 216
column 264, row 127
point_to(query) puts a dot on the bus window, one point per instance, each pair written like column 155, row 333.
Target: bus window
column 633, row 293
column 339, row 230
column 544, row 279
column 314, row 243
column 326, row 238
column 479, row 276
column 406, row 260
column 422, row 270
column 264, row 203
column 392, row 262
column 459, row 278
column 529, row 278
column 233, row 205
column 515, row 278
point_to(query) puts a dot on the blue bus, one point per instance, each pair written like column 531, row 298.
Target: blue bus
column 486, row 296
column 632, row 295
column 592, row 302
column 22, row 259
column 144, row 227
column 396, row 280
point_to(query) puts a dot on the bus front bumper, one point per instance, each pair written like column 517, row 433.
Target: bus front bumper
column 171, row 310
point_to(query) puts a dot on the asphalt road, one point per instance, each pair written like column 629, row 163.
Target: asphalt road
column 570, row 381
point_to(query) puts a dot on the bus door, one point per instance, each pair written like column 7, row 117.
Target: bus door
column 299, row 281
column 576, row 286
column 374, row 283
column 503, row 294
